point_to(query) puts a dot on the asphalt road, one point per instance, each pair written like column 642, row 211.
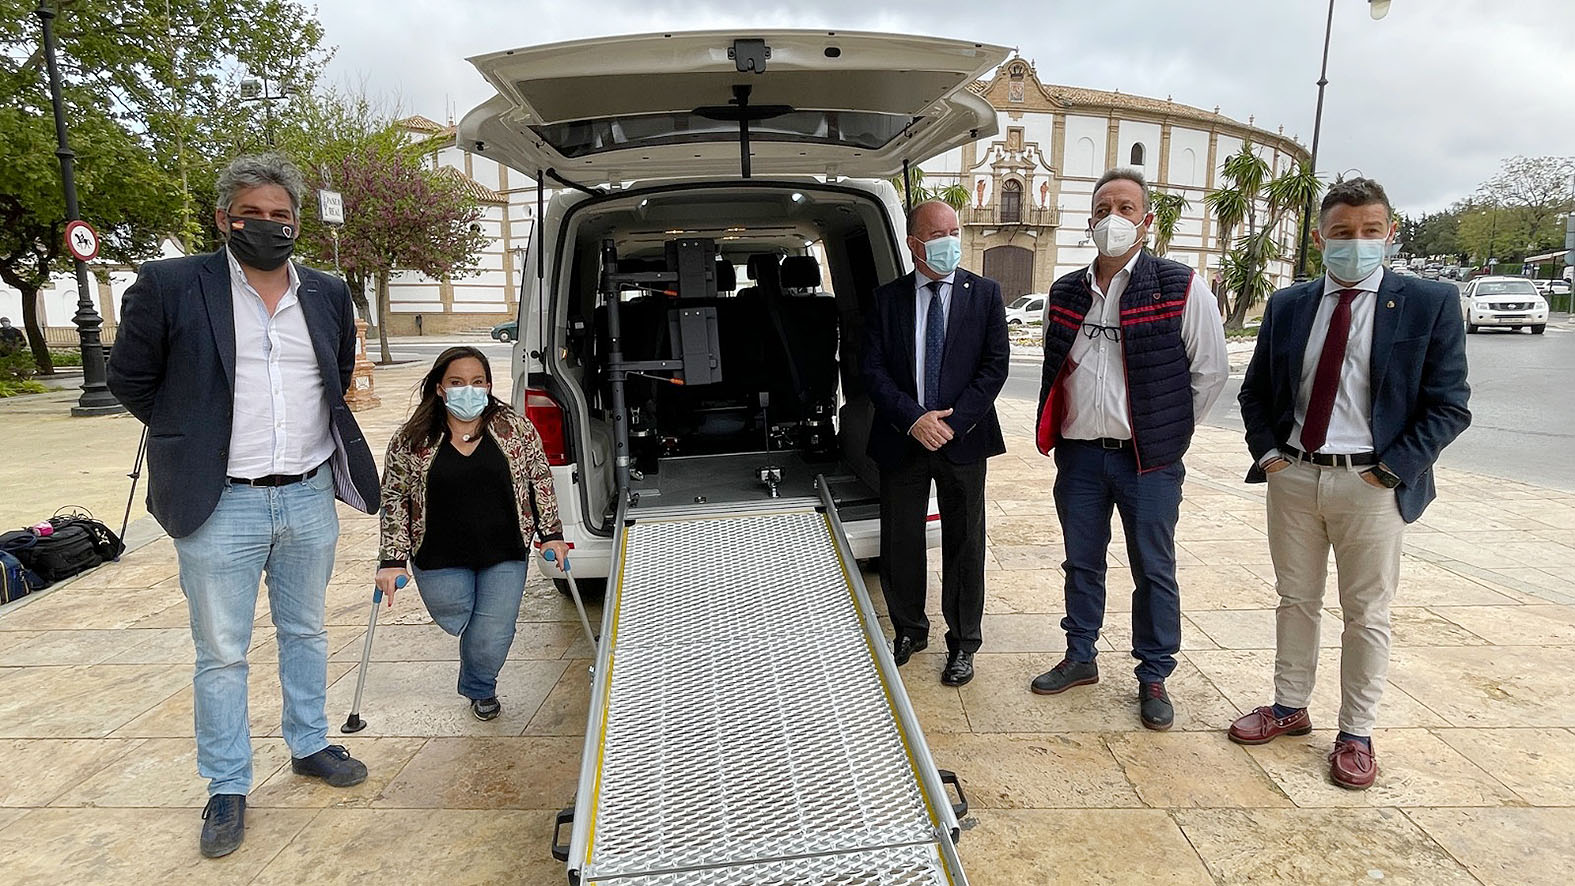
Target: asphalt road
column 1522, row 405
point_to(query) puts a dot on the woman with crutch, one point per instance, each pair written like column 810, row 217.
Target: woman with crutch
column 466, row 486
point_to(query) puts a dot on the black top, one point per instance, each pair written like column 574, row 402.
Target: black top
column 472, row 518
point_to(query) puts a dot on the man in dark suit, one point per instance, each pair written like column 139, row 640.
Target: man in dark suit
column 935, row 357
column 238, row 362
column 1357, row 384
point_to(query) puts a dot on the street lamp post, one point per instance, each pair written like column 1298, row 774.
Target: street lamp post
column 96, row 398
column 255, row 89
column 1378, row 9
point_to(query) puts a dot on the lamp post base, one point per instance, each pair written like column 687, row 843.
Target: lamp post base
column 83, row 411
column 97, row 402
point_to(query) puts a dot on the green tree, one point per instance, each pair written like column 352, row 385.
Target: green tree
column 1168, row 209
column 1536, row 191
column 954, row 195
column 151, row 99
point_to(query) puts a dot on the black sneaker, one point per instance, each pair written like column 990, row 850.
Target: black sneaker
column 1154, row 704
column 223, row 824
column 1064, row 676
column 332, row 764
column 486, row 708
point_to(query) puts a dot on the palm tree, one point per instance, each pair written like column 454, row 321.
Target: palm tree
column 1248, row 186
column 954, row 195
column 1167, row 210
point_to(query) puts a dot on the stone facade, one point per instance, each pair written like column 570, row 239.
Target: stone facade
column 1031, row 185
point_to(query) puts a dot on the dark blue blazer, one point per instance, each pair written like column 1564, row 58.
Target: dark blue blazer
column 173, row 366
column 1418, row 371
column 974, row 364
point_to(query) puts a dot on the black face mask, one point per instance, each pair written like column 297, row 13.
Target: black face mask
column 260, row 243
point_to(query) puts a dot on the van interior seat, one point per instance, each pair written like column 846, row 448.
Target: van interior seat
column 800, row 272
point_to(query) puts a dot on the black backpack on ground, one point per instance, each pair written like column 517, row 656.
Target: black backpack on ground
column 16, row 580
column 77, row 544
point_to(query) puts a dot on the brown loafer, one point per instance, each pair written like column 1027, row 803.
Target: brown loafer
column 1262, row 727
column 1352, row 766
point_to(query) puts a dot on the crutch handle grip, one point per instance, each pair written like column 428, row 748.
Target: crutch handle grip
column 550, row 557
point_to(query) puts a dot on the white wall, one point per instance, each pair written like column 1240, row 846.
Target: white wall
column 1085, row 146
column 1133, row 133
column 1189, row 156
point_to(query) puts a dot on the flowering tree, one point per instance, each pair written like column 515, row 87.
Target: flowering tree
column 399, row 216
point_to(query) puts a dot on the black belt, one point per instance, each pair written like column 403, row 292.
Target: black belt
column 274, row 479
column 1328, row 460
column 1104, row 443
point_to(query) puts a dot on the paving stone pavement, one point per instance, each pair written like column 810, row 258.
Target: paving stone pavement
column 1477, row 745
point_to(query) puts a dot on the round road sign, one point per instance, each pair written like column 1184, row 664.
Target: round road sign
column 82, row 240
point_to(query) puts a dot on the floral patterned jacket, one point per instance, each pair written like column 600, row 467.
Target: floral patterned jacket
column 405, row 473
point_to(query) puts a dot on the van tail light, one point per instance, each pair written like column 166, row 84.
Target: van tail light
column 933, row 518
column 545, row 413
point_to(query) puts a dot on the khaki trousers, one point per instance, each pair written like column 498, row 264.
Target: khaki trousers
column 1310, row 510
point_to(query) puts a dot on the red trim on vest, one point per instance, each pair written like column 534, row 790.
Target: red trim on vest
column 1157, row 306
column 1062, row 321
column 1052, row 412
column 1067, row 311
column 1133, row 321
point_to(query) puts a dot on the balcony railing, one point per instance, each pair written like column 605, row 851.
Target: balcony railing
column 1039, row 216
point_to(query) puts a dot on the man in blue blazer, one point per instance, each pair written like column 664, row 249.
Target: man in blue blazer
column 238, row 362
column 1357, row 384
column 936, row 354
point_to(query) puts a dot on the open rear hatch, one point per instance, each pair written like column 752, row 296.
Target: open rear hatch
column 720, row 104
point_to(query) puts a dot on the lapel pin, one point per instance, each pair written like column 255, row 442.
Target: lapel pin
column 968, row 284
column 1156, row 296
column 1391, row 304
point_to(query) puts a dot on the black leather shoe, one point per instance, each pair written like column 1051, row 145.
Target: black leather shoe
column 486, row 708
column 223, row 824
column 1064, row 676
column 332, row 764
column 1154, row 704
column 903, row 648
column 959, row 669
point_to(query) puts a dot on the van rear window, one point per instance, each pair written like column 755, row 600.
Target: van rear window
column 857, row 129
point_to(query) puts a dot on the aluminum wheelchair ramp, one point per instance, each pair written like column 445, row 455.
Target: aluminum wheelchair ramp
column 747, row 725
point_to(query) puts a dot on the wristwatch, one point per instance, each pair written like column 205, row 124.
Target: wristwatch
column 1385, row 477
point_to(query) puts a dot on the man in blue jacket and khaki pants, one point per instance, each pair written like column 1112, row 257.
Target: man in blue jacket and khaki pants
column 1357, row 384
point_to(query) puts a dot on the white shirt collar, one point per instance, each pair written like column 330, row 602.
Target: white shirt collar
column 920, row 280
column 238, row 274
column 1370, row 283
column 1126, row 269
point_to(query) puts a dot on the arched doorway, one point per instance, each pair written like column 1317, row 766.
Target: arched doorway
column 1011, row 202
column 1012, row 267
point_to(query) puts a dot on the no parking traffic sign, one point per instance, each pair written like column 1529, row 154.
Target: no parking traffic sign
column 82, row 240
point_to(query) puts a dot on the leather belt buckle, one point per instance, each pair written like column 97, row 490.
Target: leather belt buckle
column 1112, row 443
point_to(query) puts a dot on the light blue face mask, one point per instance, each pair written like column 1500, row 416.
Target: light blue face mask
column 465, row 403
column 943, row 254
column 1351, row 261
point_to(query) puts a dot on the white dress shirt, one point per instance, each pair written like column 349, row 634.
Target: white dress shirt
column 921, row 320
column 281, row 423
column 1350, row 424
column 1096, row 387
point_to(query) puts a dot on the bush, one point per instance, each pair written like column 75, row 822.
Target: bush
column 17, row 366
column 13, row 388
column 65, row 356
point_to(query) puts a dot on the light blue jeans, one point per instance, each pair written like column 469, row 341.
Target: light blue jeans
column 287, row 533
column 479, row 606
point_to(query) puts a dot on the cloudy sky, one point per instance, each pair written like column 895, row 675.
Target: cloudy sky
column 1428, row 100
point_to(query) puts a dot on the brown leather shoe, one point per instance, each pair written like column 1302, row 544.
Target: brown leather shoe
column 1351, row 765
column 1262, row 727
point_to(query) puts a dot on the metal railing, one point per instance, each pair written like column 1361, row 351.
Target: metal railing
column 1040, row 216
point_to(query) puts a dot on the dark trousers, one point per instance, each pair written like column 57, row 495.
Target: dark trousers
column 1089, row 482
column 904, row 503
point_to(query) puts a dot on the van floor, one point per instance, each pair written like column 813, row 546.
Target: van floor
column 719, row 479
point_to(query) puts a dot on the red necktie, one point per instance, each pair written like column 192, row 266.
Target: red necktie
column 1326, row 383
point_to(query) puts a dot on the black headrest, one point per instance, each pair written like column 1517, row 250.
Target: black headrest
column 800, row 272
column 726, row 276
column 759, row 261
column 641, row 265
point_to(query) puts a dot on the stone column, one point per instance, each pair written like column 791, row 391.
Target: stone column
column 1112, row 142
column 360, row 394
column 1164, row 153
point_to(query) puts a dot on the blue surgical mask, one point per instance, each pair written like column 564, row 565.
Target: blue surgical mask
column 943, row 254
column 1352, row 260
column 465, row 403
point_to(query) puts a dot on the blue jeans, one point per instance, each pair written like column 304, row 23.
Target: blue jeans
column 287, row 533
column 480, row 607
column 1089, row 482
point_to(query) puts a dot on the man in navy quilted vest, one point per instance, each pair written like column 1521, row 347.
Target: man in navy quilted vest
column 1134, row 358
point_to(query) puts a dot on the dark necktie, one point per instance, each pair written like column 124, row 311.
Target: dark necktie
column 1326, row 383
column 934, row 341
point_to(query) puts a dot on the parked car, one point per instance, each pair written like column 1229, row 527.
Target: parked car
column 507, row 331
column 1503, row 302
column 1432, row 272
column 1026, row 309
column 647, row 131
column 1559, row 287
